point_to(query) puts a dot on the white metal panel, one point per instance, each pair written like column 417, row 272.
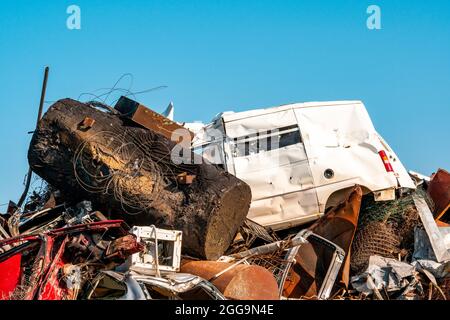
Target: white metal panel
column 270, row 159
column 148, row 261
column 342, row 138
column 286, row 210
column 232, row 116
column 335, row 126
column 435, row 237
column 278, row 181
column 258, row 123
column 282, row 186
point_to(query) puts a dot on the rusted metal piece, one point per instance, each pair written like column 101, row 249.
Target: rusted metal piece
column 86, row 124
column 325, row 260
column 338, row 226
column 442, row 224
column 35, row 263
column 150, row 119
column 12, row 207
column 270, row 248
column 439, row 192
column 249, row 232
column 123, row 247
column 184, row 178
column 236, row 282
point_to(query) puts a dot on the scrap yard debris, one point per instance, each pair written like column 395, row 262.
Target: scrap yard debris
column 127, row 172
column 116, row 218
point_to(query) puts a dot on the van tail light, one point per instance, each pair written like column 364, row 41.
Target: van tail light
column 385, row 159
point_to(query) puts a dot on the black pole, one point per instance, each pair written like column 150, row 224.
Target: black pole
column 41, row 102
column 41, row 107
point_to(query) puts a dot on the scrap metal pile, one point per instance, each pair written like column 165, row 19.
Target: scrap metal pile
column 117, row 219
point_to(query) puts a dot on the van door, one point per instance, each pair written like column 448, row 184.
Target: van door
column 267, row 152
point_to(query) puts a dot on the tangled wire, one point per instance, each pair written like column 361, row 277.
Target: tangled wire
column 120, row 165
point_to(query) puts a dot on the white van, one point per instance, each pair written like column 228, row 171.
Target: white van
column 300, row 159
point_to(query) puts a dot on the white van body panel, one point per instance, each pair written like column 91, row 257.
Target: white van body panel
column 289, row 185
column 341, row 137
column 401, row 173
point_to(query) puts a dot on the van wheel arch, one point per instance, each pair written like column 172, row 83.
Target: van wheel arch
column 337, row 196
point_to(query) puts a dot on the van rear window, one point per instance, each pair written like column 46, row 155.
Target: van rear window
column 266, row 141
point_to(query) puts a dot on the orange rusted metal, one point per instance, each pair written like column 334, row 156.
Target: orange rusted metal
column 152, row 120
column 241, row 282
column 184, row 178
column 439, row 192
column 337, row 226
column 86, row 124
column 441, row 224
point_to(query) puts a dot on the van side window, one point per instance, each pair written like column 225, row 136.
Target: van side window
column 289, row 138
column 212, row 151
column 266, row 141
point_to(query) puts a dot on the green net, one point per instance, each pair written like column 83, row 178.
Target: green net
column 386, row 229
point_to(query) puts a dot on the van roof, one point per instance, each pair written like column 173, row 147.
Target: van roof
column 231, row 115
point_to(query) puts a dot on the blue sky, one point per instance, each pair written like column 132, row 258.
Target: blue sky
column 232, row 55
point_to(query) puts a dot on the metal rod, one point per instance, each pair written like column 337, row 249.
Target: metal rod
column 41, row 102
column 41, row 107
